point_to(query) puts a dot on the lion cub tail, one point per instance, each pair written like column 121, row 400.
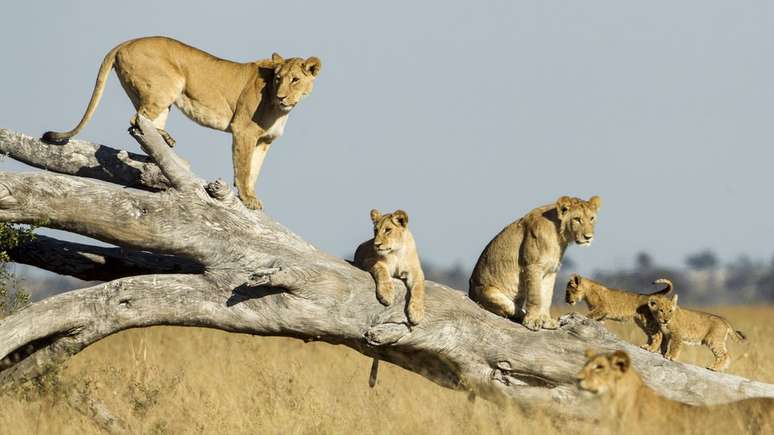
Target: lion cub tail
column 61, row 138
column 738, row 336
column 668, row 289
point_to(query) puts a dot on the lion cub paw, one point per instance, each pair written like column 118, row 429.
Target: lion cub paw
column 385, row 293
column 416, row 313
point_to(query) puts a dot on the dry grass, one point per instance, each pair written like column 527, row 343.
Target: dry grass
column 189, row 380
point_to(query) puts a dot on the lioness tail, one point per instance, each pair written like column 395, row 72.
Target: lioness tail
column 104, row 69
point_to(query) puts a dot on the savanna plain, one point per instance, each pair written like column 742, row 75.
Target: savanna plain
column 170, row 380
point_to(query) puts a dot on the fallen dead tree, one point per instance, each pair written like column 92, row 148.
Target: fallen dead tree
column 189, row 253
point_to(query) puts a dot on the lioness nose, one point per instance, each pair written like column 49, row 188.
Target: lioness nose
column 588, row 236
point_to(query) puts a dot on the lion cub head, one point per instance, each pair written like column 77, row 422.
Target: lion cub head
column 389, row 231
column 577, row 218
column 663, row 309
column 576, row 289
column 293, row 79
column 603, row 372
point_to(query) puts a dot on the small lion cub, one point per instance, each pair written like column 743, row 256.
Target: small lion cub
column 682, row 325
column 392, row 253
column 613, row 304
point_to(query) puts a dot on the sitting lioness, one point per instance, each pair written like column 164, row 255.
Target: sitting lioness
column 614, row 304
column 251, row 100
column 682, row 325
column 518, row 267
column 632, row 405
column 392, row 253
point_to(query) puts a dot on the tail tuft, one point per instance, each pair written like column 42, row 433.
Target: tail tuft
column 55, row 138
column 740, row 336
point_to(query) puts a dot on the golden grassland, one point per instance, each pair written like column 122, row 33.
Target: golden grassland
column 190, row 380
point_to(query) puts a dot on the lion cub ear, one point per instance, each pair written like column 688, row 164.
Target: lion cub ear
column 375, row 215
column 674, row 300
column 620, row 360
column 312, row 65
column 400, row 217
column 563, row 206
column 277, row 59
column 595, row 202
column 589, row 353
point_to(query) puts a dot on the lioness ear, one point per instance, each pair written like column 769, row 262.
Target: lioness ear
column 589, row 353
column 595, row 202
column 563, row 206
column 277, row 59
column 400, row 217
column 375, row 215
column 312, row 65
column 620, row 360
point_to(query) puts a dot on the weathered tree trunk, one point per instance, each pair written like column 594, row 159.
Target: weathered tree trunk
column 189, row 253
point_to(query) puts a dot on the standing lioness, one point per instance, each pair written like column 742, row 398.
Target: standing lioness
column 251, row 100
column 518, row 267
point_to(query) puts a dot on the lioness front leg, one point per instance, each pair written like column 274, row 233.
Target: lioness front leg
column 546, row 294
column 416, row 305
column 385, row 291
column 532, row 282
column 244, row 148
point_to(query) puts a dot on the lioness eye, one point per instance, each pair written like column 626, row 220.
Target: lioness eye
column 577, row 219
column 592, row 218
column 387, row 231
column 295, row 79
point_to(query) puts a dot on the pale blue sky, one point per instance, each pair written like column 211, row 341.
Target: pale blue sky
column 446, row 109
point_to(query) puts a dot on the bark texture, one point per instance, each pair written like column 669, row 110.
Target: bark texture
column 188, row 253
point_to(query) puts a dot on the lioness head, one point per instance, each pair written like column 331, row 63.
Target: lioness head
column 577, row 218
column 603, row 371
column 662, row 308
column 389, row 230
column 576, row 289
column 293, row 79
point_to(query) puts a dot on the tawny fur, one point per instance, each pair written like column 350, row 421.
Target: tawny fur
column 392, row 253
column 519, row 266
column 629, row 404
column 251, row 100
column 681, row 325
column 607, row 303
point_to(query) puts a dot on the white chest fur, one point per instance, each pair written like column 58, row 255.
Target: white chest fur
column 277, row 128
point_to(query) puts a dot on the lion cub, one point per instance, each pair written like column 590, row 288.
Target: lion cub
column 681, row 325
column 613, row 304
column 631, row 404
column 392, row 253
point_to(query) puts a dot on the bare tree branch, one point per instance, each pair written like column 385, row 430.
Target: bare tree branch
column 173, row 168
column 96, row 263
column 85, row 159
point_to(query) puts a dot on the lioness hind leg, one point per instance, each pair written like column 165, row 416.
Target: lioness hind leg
column 493, row 299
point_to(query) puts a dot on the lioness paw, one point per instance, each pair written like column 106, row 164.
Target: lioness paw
column 550, row 324
column 533, row 324
column 252, row 203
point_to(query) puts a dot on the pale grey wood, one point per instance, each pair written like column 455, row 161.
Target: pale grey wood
column 260, row 278
column 84, row 159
